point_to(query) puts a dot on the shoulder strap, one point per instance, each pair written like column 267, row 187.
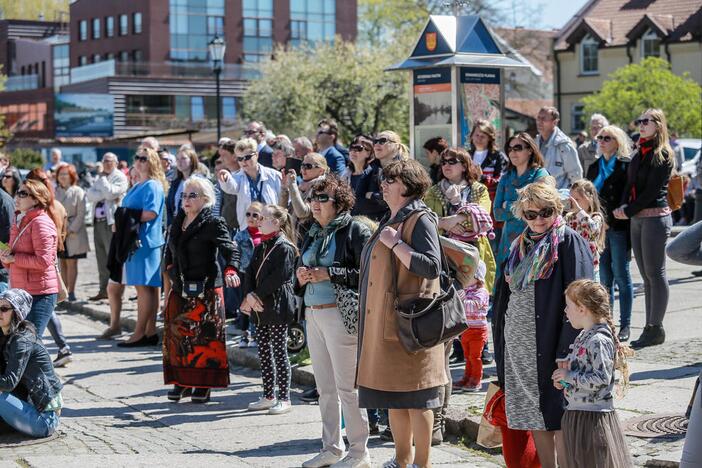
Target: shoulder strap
column 21, row 232
column 264, row 260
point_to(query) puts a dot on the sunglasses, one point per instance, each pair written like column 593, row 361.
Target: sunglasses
column 308, row 166
column 644, row 121
column 251, row 132
column 387, row 180
column 324, row 132
column 543, row 214
column 515, row 148
column 253, row 215
column 357, row 148
column 380, row 141
column 606, row 138
column 6, row 308
column 191, row 195
column 21, row 194
column 321, row 198
column 141, row 158
column 8, row 176
column 450, row 162
column 246, row 157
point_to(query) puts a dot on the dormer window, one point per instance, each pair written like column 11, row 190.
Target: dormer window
column 650, row 44
column 589, row 48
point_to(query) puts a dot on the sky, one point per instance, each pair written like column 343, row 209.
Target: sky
column 556, row 13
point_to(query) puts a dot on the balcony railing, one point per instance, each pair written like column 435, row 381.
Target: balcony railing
column 110, row 68
column 22, row 82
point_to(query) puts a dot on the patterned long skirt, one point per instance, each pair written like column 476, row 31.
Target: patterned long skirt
column 194, row 345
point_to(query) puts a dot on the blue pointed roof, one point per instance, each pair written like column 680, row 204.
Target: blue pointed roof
column 462, row 40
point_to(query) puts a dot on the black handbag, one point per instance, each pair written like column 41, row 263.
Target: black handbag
column 193, row 288
column 426, row 322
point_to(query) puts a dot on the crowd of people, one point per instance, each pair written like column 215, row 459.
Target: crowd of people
column 272, row 231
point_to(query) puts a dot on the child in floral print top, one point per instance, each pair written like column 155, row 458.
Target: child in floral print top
column 587, row 378
column 585, row 217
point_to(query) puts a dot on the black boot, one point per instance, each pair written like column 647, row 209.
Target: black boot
column 201, row 395
column 652, row 335
column 179, row 392
column 624, row 334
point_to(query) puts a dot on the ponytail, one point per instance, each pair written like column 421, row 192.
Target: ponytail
column 289, row 230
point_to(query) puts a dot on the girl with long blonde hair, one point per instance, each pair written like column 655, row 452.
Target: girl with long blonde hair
column 585, row 217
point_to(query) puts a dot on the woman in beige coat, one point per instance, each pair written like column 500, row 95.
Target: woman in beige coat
column 72, row 197
column 410, row 385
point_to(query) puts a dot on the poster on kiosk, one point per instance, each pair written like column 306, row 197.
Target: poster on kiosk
column 457, row 69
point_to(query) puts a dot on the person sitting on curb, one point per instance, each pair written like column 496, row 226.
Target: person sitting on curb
column 30, row 391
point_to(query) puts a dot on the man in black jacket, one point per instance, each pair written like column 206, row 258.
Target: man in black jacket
column 7, row 211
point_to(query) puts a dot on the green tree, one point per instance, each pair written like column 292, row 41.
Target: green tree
column 634, row 88
column 26, row 158
column 51, row 10
column 345, row 81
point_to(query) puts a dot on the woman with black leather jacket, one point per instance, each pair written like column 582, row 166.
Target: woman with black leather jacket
column 30, row 392
column 195, row 354
column 327, row 280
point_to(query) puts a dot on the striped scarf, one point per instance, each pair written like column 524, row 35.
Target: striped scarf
column 533, row 256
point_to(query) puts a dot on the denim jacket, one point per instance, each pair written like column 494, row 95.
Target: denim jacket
column 27, row 363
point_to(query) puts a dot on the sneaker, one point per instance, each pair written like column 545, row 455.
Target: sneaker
column 98, row 297
column 486, row 357
column 323, row 458
column 281, row 407
column 392, row 463
column 244, row 343
column 351, row 462
column 253, row 344
column 457, row 386
column 472, row 388
column 64, row 357
column 263, row 403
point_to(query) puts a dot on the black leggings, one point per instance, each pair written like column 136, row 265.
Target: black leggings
column 273, row 353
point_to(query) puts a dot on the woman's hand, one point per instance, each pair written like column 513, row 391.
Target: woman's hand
column 232, row 280
column 245, row 307
column 389, row 236
column 557, row 376
column 289, row 178
column 303, row 275
column 318, row 274
column 453, row 194
column 254, row 302
column 619, row 213
column 223, row 176
column 6, row 257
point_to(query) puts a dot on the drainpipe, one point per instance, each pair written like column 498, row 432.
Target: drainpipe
column 628, row 53
column 667, row 51
column 558, row 78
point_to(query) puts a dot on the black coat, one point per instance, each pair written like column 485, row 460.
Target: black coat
column 650, row 182
column 349, row 242
column 125, row 240
column 612, row 192
column 554, row 334
column 368, row 182
column 265, row 156
column 192, row 254
column 273, row 284
column 171, row 199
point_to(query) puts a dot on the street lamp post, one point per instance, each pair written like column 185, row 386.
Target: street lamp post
column 217, row 48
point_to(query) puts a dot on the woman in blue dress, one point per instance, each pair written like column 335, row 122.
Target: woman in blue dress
column 142, row 269
column 526, row 165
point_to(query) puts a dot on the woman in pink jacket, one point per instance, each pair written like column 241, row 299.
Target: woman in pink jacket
column 31, row 257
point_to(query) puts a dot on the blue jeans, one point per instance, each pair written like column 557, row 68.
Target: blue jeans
column 56, row 331
column 615, row 263
column 25, row 418
column 42, row 309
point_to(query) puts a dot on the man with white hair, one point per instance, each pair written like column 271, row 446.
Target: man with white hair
column 54, row 160
column 151, row 143
column 588, row 151
column 303, row 146
column 105, row 194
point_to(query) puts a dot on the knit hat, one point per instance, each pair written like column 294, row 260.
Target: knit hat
column 20, row 300
column 480, row 271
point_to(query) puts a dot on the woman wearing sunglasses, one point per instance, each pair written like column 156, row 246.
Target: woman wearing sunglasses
column 609, row 175
column 143, row 268
column 294, row 196
column 27, row 367
column 526, row 165
column 195, row 355
column 327, row 281
column 254, row 182
column 530, row 327
column 646, row 205
column 11, row 180
column 361, row 175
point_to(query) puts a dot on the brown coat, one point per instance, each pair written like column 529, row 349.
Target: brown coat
column 383, row 363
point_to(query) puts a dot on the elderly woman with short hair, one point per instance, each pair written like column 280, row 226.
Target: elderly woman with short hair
column 195, row 354
column 530, row 328
column 293, row 196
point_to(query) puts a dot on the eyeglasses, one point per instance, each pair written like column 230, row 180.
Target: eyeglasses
column 309, row 166
column 6, row 308
column 22, row 194
column 253, row 215
column 543, row 214
column 324, row 132
column 387, row 180
column 141, row 158
column 515, row 148
column 644, row 121
column 380, row 141
column 450, row 162
column 251, row 132
column 606, row 138
column 321, row 198
column 245, row 157
column 191, row 195
column 357, row 148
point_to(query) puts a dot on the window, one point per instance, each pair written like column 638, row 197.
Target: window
column 25, row 117
column 193, row 24
column 312, row 20
column 588, row 56
column 197, row 108
column 62, row 70
column 110, row 56
column 136, row 23
column 96, row 58
column 110, row 26
column 96, row 28
column 123, row 25
column 258, row 29
column 137, row 56
column 124, row 56
column 82, row 60
column 83, row 30
column 228, row 108
column 650, row 44
column 577, row 118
